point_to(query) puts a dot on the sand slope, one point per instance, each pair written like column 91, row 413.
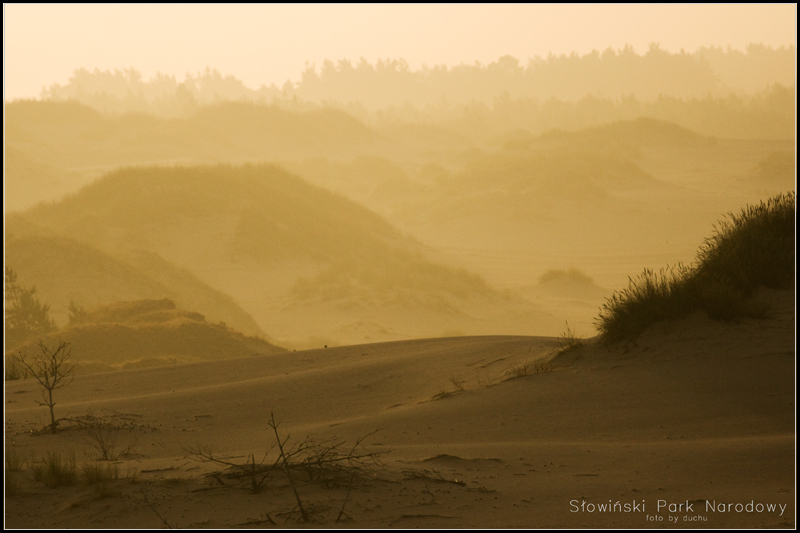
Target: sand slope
column 694, row 411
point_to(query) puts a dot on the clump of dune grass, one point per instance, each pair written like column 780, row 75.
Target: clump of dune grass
column 747, row 250
column 54, row 470
column 569, row 340
column 99, row 472
column 12, row 485
column 754, row 248
column 527, row 368
column 15, row 462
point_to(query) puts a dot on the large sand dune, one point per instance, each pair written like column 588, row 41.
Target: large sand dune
column 695, row 411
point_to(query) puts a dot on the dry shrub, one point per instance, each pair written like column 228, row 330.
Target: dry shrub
column 329, row 463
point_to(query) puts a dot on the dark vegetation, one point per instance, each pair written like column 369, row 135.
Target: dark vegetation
column 66, row 270
column 25, row 316
column 149, row 333
column 755, row 248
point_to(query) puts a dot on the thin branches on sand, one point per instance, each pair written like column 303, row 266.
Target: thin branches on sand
column 286, row 467
column 329, row 463
column 254, row 473
column 103, row 432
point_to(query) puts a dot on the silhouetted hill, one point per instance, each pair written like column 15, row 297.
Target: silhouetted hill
column 67, row 134
column 63, row 269
column 30, row 181
column 255, row 212
column 634, row 133
column 567, row 283
column 303, row 261
column 551, row 182
column 149, row 333
column 777, row 170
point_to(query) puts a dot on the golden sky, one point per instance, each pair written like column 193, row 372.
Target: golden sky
column 265, row 44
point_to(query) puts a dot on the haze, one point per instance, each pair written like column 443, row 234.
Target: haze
column 270, row 44
column 470, row 267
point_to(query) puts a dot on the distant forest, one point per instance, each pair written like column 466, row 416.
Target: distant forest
column 713, row 91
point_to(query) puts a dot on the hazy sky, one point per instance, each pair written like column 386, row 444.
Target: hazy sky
column 264, row 44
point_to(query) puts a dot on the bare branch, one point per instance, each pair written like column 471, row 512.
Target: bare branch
column 52, row 369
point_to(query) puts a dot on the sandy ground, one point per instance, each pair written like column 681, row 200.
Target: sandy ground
column 472, row 432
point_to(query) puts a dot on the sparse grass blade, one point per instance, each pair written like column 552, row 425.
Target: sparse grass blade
column 54, row 470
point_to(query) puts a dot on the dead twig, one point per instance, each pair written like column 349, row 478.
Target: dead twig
column 274, row 426
column 257, row 473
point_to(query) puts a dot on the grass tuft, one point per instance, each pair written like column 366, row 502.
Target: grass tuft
column 12, row 485
column 99, row 472
column 752, row 249
column 527, row 368
column 14, row 461
column 54, row 470
column 569, row 340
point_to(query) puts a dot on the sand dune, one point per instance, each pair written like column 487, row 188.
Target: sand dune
column 65, row 270
column 694, row 411
column 306, row 264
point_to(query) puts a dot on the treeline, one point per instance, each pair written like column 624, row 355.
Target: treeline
column 609, row 75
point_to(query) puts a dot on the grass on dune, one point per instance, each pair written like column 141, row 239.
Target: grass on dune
column 747, row 250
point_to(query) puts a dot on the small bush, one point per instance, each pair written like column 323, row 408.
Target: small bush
column 103, row 437
column 329, row 463
column 752, row 249
column 103, row 433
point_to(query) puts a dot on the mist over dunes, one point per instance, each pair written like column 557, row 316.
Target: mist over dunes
column 609, row 73
column 64, row 269
column 68, row 134
column 146, row 333
column 301, row 260
column 506, row 208
column 381, row 296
